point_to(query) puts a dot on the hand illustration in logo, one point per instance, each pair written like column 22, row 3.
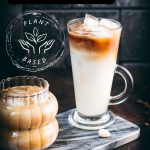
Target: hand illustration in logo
column 26, row 46
column 46, row 46
column 36, row 38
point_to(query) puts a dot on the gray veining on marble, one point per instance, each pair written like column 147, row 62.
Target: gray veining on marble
column 71, row 138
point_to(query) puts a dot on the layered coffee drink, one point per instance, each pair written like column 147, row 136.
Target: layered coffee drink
column 27, row 113
column 93, row 47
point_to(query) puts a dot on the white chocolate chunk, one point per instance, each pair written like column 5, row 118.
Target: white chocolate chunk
column 104, row 133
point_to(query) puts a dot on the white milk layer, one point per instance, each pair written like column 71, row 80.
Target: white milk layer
column 92, row 82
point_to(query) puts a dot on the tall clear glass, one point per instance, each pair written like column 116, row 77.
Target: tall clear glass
column 93, row 57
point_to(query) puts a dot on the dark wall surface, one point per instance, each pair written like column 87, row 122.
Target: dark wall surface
column 134, row 51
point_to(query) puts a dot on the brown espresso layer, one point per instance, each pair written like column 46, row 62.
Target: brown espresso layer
column 86, row 40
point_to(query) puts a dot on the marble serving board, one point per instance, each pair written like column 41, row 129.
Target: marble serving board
column 71, row 138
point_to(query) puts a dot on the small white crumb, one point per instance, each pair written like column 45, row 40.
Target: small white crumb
column 104, row 133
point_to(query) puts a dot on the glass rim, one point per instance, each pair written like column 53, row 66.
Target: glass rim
column 44, row 90
column 77, row 20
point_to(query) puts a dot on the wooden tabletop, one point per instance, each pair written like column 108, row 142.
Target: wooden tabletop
column 135, row 109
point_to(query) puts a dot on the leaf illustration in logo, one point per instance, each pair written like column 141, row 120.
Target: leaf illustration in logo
column 35, row 32
column 41, row 38
column 30, row 37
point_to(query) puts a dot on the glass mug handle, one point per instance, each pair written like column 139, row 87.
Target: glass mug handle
column 126, row 75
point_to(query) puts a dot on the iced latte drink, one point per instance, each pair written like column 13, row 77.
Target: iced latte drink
column 93, row 47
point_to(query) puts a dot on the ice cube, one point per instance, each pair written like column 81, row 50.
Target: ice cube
column 102, row 32
column 90, row 21
column 108, row 23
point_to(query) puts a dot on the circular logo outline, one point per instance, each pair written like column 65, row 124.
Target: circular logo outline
column 9, row 47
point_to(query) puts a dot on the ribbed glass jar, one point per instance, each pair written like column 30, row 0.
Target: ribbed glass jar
column 27, row 113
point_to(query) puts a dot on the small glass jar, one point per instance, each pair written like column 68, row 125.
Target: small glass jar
column 27, row 107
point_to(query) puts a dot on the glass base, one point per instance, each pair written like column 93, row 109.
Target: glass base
column 91, row 123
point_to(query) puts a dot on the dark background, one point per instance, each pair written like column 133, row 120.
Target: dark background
column 134, row 54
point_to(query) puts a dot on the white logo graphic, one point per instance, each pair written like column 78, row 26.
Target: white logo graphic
column 35, row 41
column 36, row 38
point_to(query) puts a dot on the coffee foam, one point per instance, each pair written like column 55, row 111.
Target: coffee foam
column 23, row 90
column 21, row 95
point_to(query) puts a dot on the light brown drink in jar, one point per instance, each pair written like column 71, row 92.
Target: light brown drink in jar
column 26, row 113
